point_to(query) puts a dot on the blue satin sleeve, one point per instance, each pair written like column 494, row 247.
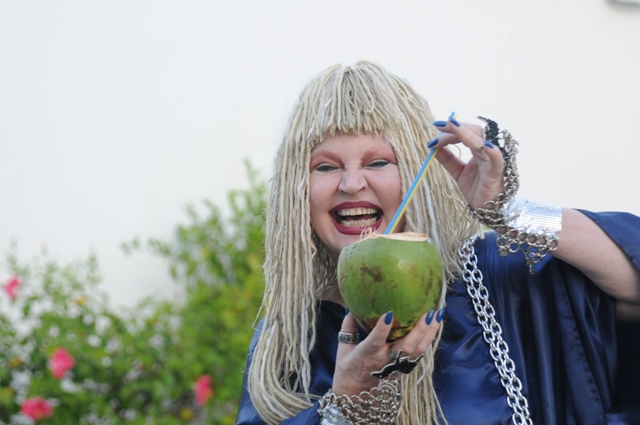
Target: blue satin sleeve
column 624, row 230
column 577, row 365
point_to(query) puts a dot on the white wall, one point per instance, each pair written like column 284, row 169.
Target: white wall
column 115, row 114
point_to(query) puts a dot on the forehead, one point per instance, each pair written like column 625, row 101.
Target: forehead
column 349, row 143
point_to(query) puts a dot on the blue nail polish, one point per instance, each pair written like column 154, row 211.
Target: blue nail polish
column 440, row 315
column 440, row 123
column 429, row 317
column 433, row 142
column 388, row 318
column 489, row 144
column 346, row 311
column 454, row 121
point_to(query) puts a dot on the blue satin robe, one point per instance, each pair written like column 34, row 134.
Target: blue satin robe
column 577, row 366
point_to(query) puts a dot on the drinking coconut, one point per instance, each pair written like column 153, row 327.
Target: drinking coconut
column 399, row 272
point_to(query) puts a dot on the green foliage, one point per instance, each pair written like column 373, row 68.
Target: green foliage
column 140, row 365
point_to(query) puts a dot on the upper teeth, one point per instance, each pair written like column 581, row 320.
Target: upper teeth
column 357, row 211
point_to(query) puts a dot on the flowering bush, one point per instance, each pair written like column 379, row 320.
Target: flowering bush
column 68, row 356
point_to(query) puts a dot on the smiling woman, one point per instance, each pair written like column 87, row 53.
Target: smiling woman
column 350, row 144
column 355, row 141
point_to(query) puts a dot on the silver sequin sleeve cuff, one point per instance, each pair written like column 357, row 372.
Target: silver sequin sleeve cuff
column 530, row 227
column 332, row 416
column 533, row 217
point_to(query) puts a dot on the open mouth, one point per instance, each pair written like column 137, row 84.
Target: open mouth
column 357, row 217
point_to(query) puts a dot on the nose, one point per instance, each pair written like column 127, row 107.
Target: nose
column 353, row 181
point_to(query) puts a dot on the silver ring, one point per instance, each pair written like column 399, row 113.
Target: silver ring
column 391, row 355
column 481, row 147
column 348, row 338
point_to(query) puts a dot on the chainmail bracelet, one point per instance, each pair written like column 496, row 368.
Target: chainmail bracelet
column 378, row 406
column 522, row 225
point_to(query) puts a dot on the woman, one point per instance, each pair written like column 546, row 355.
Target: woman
column 354, row 142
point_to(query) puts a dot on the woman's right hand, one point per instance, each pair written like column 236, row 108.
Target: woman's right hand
column 354, row 363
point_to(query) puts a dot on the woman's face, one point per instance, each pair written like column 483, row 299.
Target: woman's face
column 354, row 186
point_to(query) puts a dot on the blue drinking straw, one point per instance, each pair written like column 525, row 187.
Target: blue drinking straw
column 413, row 188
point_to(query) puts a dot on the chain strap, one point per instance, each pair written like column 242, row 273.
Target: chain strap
column 498, row 348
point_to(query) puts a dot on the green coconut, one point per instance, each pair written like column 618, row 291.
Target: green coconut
column 400, row 272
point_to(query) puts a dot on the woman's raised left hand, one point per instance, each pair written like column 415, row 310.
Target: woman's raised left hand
column 481, row 179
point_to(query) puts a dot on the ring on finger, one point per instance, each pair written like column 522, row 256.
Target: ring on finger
column 481, row 147
column 348, row 337
column 400, row 364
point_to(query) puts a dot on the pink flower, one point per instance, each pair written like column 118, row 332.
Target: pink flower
column 11, row 287
column 37, row 408
column 60, row 362
column 203, row 389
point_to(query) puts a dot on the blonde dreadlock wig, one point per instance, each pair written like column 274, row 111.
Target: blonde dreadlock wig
column 298, row 269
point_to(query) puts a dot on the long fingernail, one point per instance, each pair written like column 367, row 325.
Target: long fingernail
column 440, row 315
column 489, row 144
column 429, row 317
column 388, row 318
column 346, row 311
column 440, row 123
column 454, row 121
column 433, row 142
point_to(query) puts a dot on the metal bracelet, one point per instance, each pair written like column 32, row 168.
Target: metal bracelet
column 378, row 406
column 492, row 333
column 490, row 214
column 509, row 148
column 522, row 225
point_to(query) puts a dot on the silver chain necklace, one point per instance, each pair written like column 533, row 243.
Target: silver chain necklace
column 498, row 348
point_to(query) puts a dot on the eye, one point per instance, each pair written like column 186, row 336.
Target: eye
column 378, row 163
column 325, row 168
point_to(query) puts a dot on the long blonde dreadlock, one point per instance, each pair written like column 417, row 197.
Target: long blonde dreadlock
column 298, row 269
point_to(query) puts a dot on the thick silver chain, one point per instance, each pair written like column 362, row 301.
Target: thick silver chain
column 498, row 348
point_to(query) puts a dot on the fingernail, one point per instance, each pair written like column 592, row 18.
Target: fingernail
column 388, row 318
column 346, row 311
column 489, row 144
column 440, row 315
column 454, row 121
column 433, row 142
column 429, row 317
column 440, row 123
